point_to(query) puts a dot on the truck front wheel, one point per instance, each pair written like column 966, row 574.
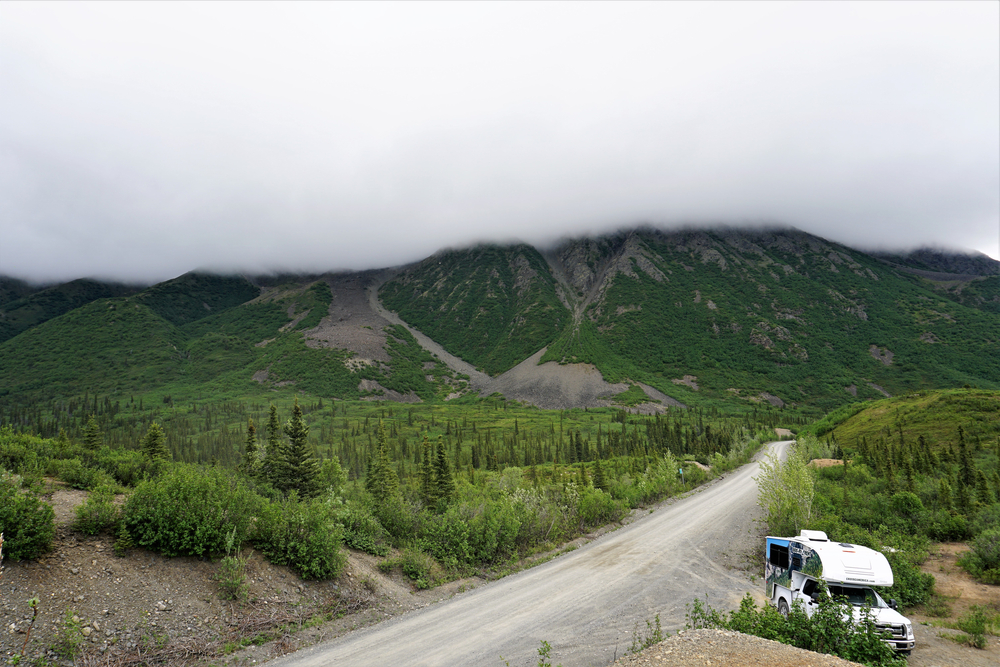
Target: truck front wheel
column 783, row 607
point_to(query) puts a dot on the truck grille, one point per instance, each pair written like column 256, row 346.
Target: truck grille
column 895, row 629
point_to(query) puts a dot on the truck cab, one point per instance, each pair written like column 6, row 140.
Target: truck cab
column 795, row 566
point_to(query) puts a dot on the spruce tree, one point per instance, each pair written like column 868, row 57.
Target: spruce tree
column 381, row 481
column 154, row 444
column 968, row 471
column 300, row 469
column 983, row 493
column 428, row 490
column 599, row 481
column 272, row 467
column 944, row 495
column 964, row 499
column 251, row 462
column 92, row 436
column 444, row 483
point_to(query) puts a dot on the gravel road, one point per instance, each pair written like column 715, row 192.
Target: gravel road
column 585, row 603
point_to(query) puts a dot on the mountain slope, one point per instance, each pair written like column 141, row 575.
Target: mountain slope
column 108, row 346
column 196, row 295
column 492, row 306
column 699, row 316
column 774, row 311
column 766, row 314
column 37, row 306
column 294, row 332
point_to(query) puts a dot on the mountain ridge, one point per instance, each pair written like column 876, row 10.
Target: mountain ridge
column 739, row 315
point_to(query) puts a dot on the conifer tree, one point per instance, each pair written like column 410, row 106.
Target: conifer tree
column 381, row 481
column 964, row 498
column 428, row 489
column 908, row 474
column 154, row 444
column 271, row 466
column 92, row 436
column 599, row 481
column 299, row 469
column 983, row 493
column 251, row 462
column 968, row 477
column 444, row 483
column 944, row 495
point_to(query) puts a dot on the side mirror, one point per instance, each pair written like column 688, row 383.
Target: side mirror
column 815, row 598
column 893, row 604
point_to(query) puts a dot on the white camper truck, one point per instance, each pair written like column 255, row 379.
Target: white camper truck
column 793, row 566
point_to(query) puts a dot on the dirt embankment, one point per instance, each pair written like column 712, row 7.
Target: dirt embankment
column 142, row 605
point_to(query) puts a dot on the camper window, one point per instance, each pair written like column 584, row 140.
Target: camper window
column 779, row 556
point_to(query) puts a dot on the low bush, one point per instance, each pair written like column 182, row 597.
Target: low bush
column 80, row 476
column 28, row 524
column 98, row 513
column 982, row 561
column 831, row 629
column 362, row 531
column 303, row 534
column 189, row 511
column 415, row 564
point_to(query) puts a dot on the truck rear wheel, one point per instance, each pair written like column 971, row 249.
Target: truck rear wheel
column 783, row 607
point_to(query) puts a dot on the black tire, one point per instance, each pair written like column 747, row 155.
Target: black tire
column 783, row 607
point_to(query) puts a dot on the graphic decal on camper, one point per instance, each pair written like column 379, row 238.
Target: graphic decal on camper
column 784, row 557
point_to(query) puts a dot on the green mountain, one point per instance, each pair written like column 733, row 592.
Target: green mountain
column 33, row 307
column 197, row 295
column 12, row 289
column 703, row 316
column 216, row 336
column 492, row 306
column 778, row 315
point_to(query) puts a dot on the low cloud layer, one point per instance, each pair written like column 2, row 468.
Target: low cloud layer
column 139, row 141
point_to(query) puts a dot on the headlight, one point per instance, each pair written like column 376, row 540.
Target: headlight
column 909, row 629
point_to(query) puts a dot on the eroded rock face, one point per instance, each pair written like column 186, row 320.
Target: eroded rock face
column 882, row 354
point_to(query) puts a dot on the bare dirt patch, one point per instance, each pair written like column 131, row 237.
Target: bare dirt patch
column 882, row 354
column 961, row 592
column 689, row 380
column 351, row 323
column 825, row 463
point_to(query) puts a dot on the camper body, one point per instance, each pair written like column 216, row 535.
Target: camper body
column 794, row 566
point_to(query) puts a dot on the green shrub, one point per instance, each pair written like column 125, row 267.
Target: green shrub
column 983, row 560
column 973, row 622
column 303, row 534
column 232, row 573
column 80, row 476
column 28, row 524
column 98, row 513
column 189, row 511
column 362, row 531
column 944, row 526
column 831, row 629
column 415, row 564
column 597, row 508
column 400, row 518
column 988, row 517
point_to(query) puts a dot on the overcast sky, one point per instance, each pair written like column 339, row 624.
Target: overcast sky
column 142, row 140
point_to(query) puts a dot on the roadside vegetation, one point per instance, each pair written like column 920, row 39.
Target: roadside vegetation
column 831, row 629
column 453, row 489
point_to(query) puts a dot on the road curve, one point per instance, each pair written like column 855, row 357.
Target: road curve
column 584, row 603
